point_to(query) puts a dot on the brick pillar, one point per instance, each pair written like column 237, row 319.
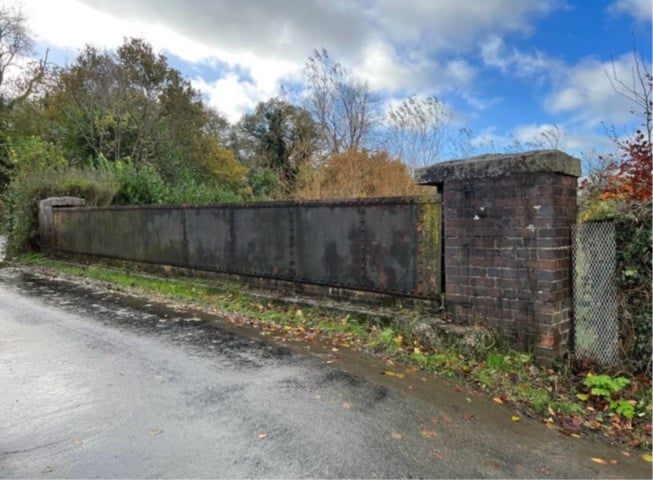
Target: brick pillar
column 507, row 244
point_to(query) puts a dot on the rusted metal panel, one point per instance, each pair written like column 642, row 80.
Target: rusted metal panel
column 389, row 245
column 261, row 242
column 327, row 245
column 390, row 241
column 209, row 238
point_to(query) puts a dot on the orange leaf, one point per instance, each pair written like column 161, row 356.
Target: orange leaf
column 498, row 400
column 599, row 461
column 437, row 456
column 427, row 433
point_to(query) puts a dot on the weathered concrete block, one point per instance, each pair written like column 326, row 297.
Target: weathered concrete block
column 46, row 226
column 500, row 165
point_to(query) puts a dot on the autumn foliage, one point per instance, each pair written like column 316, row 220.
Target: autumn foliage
column 354, row 174
column 626, row 180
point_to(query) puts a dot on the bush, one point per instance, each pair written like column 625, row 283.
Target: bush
column 265, row 184
column 190, row 191
column 27, row 189
column 138, row 186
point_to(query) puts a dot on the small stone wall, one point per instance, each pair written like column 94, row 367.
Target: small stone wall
column 507, row 244
column 46, row 223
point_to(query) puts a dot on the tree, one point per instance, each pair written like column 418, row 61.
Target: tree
column 417, row 130
column 15, row 87
column 109, row 103
column 342, row 106
column 279, row 136
column 16, row 42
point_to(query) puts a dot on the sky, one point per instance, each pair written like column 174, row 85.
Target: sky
column 506, row 69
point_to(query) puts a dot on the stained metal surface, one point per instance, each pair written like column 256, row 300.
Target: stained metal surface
column 366, row 244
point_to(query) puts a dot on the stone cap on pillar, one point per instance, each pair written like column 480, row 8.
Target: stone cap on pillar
column 500, row 165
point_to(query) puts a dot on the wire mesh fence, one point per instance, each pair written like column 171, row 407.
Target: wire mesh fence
column 596, row 322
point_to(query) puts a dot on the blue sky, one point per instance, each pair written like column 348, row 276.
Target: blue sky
column 507, row 69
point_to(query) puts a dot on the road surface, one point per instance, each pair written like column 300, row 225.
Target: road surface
column 99, row 385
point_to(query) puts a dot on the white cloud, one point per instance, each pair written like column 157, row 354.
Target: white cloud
column 496, row 54
column 230, row 95
column 587, row 94
column 415, row 46
column 639, row 9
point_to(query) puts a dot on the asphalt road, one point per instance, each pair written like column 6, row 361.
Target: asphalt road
column 97, row 385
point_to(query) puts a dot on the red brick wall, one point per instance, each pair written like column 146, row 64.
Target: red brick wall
column 507, row 256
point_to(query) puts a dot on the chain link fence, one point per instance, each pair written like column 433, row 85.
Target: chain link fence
column 596, row 321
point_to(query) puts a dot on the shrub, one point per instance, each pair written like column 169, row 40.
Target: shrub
column 621, row 192
column 26, row 189
column 142, row 185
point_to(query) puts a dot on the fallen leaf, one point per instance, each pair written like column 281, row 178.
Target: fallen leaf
column 394, row 374
column 625, row 453
column 648, row 458
column 346, row 405
column 437, row 456
column 582, row 397
column 613, row 461
column 396, row 435
column 155, row 432
column 427, row 433
column 411, row 369
column 599, row 461
column 458, row 389
column 515, row 418
column 434, row 420
column 262, row 436
column 575, row 435
column 498, row 400
column 77, row 442
column 47, row 469
column 447, row 419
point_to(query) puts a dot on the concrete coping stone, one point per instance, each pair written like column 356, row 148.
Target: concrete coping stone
column 500, row 165
column 64, row 201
